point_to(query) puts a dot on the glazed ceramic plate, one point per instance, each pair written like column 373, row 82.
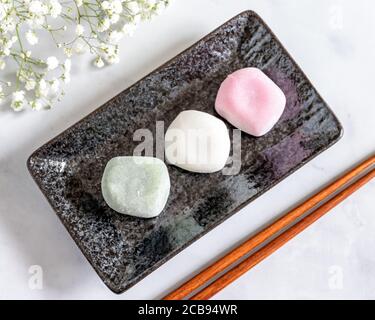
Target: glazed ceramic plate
column 124, row 249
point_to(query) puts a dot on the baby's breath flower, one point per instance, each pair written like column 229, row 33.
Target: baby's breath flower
column 105, row 5
column 114, row 18
column 52, row 63
column 43, row 89
column 113, row 59
column 151, row 2
column 31, row 37
column 117, row 6
column 115, row 36
column 30, row 84
column 18, row 100
column 37, row 8
column 75, row 26
column 55, row 85
column 3, row 10
column 80, row 29
column 104, row 24
column 133, row 7
column 80, row 47
column 68, row 65
column 129, row 29
column 36, row 104
column 1, row 93
column 68, row 52
column 55, row 8
column 66, row 77
column 99, row 63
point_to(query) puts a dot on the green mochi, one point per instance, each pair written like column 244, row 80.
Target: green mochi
column 136, row 186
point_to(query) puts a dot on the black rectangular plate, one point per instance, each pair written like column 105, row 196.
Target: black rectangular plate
column 124, row 249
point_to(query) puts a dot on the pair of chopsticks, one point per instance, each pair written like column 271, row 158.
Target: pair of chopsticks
column 208, row 274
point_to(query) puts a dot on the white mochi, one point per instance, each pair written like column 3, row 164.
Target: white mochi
column 136, row 186
column 197, row 141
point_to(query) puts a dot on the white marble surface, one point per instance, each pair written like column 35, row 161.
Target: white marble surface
column 333, row 42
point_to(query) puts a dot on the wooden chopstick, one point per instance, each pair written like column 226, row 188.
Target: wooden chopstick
column 279, row 241
column 223, row 263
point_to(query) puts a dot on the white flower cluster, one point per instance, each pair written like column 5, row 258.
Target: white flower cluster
column 75, row 26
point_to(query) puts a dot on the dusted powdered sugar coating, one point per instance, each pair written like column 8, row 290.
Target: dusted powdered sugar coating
column 136, row 186
column 250, row 101
column 197, row 141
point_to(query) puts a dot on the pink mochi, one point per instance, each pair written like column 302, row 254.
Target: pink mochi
column 250, row 101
